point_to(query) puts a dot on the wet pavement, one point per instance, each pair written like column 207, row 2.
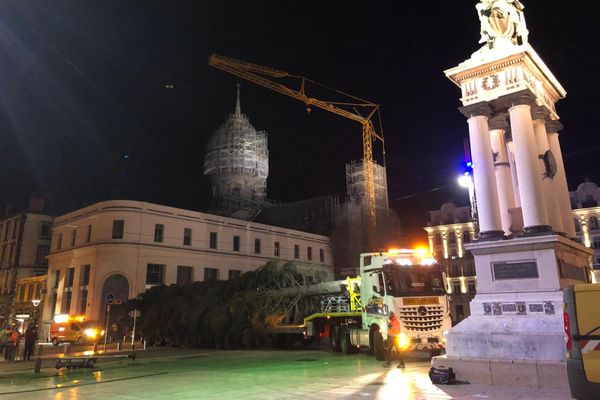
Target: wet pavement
column 248, row 375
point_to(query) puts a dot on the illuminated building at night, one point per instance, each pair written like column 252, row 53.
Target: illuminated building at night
column 24, row 245
column 115, row 250
column 449, row 229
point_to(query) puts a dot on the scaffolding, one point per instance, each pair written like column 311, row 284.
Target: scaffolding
column 355, row 183
column 237, row 162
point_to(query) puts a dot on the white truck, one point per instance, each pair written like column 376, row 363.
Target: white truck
column 407, row 282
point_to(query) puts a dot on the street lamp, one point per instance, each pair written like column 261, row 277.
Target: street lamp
column 466, row 181
column 36, row 303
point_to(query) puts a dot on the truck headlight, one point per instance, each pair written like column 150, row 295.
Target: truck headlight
column 403, row 341
column 91, row 333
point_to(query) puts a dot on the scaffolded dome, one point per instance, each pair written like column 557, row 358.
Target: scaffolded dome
column 237, row 161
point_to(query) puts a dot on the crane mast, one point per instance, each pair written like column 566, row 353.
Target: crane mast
column 260, row 75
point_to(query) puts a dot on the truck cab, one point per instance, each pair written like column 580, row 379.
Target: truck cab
column 412, row 285
column 582, row 331
column 74, row 329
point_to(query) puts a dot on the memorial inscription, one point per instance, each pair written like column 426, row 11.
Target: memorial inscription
column 515, row 270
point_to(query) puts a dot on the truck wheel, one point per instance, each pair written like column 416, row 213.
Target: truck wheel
column 345, row 344
column 378, row 347
column 334, row 338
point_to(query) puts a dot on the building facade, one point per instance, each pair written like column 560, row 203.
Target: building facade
column 24, row 245
column 113, row 251
column 28, row 292
column 585, row 202
column 450, row 228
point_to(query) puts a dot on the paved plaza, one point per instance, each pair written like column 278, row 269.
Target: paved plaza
column 248, row 375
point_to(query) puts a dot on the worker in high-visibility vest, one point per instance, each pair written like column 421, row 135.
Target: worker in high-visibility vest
column 393, row 340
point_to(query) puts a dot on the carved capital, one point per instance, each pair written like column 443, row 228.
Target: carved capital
column 539, row 112
column 476, row 110
column 554, row 126
column 520, row 99
column 498, row 121
column 515, row 99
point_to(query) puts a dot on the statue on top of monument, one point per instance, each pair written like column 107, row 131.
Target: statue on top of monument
column 502, row 22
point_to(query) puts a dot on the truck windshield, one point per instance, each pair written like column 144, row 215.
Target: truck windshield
column 418, row 280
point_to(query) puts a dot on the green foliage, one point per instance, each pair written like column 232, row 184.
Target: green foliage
column 225, row 314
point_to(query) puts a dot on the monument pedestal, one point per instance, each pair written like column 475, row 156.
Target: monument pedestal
column 515, row 334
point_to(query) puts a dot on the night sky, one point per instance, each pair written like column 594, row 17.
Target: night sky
column 86, row 115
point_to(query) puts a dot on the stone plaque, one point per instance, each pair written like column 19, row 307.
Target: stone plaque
column 549, row 308
column 515, row 270
column 497, row 308
column 536, row 308
column 510, row 308
column 487, row 309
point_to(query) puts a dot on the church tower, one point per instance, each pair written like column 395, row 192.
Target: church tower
column 237, row 162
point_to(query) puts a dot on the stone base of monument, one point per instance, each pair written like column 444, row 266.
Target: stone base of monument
column 535, row 374
column 515, row 334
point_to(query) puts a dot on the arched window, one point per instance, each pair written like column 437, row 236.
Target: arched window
column 466, row 236
column 452, row 237
column 594, row 223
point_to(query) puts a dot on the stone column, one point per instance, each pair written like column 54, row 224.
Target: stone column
column 533, row 204
column 506, row 197
column 546, row 165
column 510, row 146
column 486, row 192
column 561, row 187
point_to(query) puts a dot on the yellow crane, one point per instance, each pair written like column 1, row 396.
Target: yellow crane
column 258, row 74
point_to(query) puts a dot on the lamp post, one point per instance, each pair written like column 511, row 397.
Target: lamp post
column 36, row 303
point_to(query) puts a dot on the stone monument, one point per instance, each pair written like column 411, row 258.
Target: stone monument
column 523, row 257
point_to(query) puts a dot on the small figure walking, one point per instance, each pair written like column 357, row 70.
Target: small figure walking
column 31, row 336
column 13, row 344
column 393, row 341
